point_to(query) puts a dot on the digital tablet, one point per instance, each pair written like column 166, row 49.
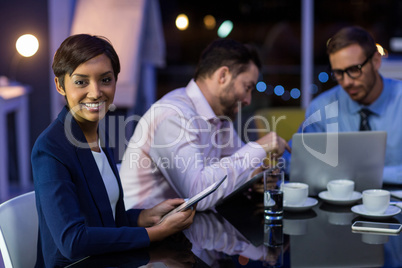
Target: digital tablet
column 195, row 199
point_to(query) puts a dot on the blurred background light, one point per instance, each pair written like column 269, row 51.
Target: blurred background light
column 396, row 43
column 261, row 86
column 295, row 93
column 27, row 45
column 279, row 90
column 285, row 96
column 323, row 77
column 382, row 50
column 225, row 28
column 182, row 22
column 209, row 22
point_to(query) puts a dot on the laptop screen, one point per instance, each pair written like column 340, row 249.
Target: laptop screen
column 318, row 158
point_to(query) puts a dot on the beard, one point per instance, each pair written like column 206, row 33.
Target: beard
column 230, row 109
column 229, row 101
column 365, row 90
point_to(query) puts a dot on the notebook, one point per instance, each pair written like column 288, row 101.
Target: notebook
column 318, row 158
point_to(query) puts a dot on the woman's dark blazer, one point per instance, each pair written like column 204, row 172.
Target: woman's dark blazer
column 75, row 216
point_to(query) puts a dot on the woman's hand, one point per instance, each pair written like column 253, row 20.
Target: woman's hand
column 172, row 224
column 152, row 216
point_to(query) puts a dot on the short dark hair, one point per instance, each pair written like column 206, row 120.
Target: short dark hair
column 80, row 48
column 226, row 52
column 352, row 35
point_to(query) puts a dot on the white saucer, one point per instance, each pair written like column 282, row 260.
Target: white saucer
column 326, row 196
column 310, row 202
column 390, row 212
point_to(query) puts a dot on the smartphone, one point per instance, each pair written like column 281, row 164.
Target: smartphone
column 381, row 227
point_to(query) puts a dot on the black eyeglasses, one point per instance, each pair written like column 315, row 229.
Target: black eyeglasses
column 353, row 72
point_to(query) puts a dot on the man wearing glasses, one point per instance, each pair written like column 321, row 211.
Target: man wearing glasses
column 363, row 99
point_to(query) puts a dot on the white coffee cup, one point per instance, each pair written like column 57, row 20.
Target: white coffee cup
column 376, row 201
column 341, row 189
column 294, row 193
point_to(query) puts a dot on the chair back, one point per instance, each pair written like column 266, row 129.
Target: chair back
column 19, row 231
column 284, row 121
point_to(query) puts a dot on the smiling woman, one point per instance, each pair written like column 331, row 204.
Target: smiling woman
column 89, row 91
column 88, row 82
column 77, row 186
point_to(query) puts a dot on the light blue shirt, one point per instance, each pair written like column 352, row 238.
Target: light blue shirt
column 340, row 113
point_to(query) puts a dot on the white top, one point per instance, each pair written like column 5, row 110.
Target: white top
column 179, row 148
column 109, row 179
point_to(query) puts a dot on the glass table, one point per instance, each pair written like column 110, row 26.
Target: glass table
column 236, row 235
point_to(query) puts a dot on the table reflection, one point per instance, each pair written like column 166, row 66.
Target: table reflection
column 172, row 252
column 215, row 239
column 236, row 235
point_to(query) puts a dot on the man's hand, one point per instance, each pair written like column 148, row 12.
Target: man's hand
column 273, row 144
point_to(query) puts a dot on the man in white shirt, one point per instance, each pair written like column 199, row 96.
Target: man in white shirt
column 186, row 141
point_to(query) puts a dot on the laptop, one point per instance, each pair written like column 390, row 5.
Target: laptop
column 318, row 158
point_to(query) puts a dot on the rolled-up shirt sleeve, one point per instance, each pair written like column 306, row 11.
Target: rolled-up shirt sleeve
column 189, row 153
